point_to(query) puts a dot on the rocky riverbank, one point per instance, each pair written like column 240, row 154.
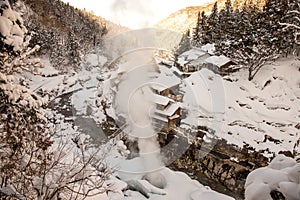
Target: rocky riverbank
column 224, row 167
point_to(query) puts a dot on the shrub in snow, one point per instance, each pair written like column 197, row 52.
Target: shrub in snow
column 282, row 175
column 32, row 166
column 24, row 138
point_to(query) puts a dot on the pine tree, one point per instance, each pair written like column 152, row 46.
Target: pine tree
column 196, row 37
column 213, row 22
column 200, row 31
column 226, row 21
column 274, row 35
column 290, row 23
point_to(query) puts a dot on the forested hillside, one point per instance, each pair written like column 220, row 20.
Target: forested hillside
column 249, row 35
column 185, row 19
column 63, row 32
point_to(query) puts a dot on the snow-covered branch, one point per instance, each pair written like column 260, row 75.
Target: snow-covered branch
column 293, row 24
column 288, row 25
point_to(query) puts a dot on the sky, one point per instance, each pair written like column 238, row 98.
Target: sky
column 134, row 14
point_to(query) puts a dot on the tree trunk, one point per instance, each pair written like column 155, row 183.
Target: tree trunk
column 250, row 76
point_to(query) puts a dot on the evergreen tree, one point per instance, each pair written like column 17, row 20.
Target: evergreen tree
column 200, row 32
column 274, row 35
column 252, row 35
column 291, row 26
column 196, row 37
column 213, row 22
column 226, row 21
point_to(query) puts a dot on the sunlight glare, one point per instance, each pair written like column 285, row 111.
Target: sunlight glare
column 134, row 14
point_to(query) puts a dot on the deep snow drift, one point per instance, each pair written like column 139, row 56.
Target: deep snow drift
column 282, row 174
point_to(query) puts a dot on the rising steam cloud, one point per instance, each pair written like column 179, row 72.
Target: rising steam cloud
column 133, row 102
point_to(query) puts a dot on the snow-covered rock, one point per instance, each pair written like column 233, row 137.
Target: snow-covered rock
column 294, row 173
column 177, row 185
column 281, row 175
column 281, row 162
column 290, row 190
column 258, row 191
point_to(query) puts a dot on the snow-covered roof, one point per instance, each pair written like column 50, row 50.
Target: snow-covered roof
column 161, row 100
column 174, row 117
column 165, row 80
column 198, row 91
column 170, row 110
column 193, row 54
column 199, row 61
column 163, row 86
column 164, row 119
column 218, row 60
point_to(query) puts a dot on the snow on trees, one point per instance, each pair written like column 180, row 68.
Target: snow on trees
column 291, row 21
column 14, row 41
column 253, row 58
column 11, row 27
column 251, row 35
column 32, row 164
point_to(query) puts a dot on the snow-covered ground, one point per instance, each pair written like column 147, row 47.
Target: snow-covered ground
column 262, row 113
column 177, row 184
column 84, row 88
column 282, row 174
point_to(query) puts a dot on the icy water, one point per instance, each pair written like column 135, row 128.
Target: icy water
column 86, row 124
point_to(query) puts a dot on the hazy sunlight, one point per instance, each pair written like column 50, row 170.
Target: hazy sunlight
column 134, row 13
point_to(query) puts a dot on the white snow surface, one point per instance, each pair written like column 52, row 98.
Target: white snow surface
column 165, row 79
column 267, row 106
column 190, row 55
column 262, row 113
column 179, row 185
column 218, row 60
column 83, row 85
column 209, row 48
column 281, row 175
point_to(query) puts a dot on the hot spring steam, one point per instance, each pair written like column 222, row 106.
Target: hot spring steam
column 134, row 102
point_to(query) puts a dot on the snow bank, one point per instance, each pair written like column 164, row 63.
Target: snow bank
column 282, row 174
column 178, row 184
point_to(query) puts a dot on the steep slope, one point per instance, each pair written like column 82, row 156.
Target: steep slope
column 262, row 114
column 185, row 19
column 63, row 32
